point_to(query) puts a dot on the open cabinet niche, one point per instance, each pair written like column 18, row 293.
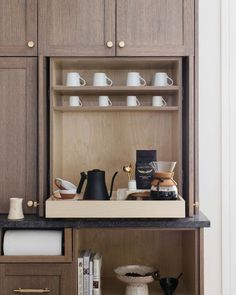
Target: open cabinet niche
column 88, row 137
column 170, row 251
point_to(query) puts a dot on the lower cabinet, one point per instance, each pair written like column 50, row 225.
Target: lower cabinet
column 53, row 279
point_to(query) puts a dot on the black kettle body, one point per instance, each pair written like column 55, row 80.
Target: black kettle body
column 96, row 188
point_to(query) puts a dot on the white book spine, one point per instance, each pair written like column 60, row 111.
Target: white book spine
column 97, row 265
column 86, row 272
column 80, row 275
column 91, row 277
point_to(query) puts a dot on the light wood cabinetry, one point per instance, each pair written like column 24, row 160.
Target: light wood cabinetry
column 18, row 129
column 53, row 279
column 122, row 27
column 155, row 27
column 77, row 27
column 18, row 27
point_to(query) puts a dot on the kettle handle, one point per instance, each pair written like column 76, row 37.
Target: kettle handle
column 83, row 177
column 112, row 182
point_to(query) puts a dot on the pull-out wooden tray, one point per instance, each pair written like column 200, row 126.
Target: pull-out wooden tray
column 76, row 208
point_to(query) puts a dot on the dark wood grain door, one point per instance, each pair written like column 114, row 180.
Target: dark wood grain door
column 57, row 279
column 77, row 27
column 155, row 27
column 18, row 27
column 18, row 129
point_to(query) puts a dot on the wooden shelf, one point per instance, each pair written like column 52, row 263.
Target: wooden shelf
column 112, row 286
column 112, row 90
column 115, row 109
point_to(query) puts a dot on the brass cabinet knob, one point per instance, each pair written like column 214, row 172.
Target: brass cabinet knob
column 31, row 204
column 109, row 44
column 31, row 44
column 121, row 44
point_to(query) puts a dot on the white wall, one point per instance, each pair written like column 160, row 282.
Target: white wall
column 210, row 138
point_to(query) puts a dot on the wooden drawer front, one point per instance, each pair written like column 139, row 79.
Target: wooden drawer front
column 33, row 283
column 59, row 279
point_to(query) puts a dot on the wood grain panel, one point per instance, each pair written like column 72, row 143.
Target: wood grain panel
column 155, row 27
column 18, row 128
column 76, row 27
column 18, row 26
column 60, row 279
column 110, row 140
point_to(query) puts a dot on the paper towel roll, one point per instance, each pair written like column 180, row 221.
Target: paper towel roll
column 32, row 242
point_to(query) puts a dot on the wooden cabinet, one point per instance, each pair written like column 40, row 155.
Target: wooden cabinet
column 18, row 27
column 155, row 27
column 122, row 27
column 55, row 279
column 18, row 129
column 76, row 27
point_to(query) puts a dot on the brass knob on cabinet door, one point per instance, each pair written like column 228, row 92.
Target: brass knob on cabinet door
column 109, row 44
column 31, row 204
column 31, row 44
column 121, row 44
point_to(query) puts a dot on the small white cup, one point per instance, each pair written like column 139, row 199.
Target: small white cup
column 132, row 101
column 162, row 79
column 74, row 101
column 104, row 101
column 158, row 101
column 132, row 185
column 134, row 79
column 74, row 79
column 101, row 79
column 16, row 210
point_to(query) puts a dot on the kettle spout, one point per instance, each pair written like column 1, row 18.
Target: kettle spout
column 112, row 182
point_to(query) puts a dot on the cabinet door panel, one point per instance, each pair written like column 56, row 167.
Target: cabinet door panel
column 18, row 26
column 59, row 279
column 18, row 129
column 155, row 27
column 76, row 27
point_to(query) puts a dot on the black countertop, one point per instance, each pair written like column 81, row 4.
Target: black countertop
column 33, row 221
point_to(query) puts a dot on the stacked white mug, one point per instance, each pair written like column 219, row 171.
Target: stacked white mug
column 134, row 79
column 74, row 79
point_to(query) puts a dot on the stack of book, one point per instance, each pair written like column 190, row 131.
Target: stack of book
column 89, row 273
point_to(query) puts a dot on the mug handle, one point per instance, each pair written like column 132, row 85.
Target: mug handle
column 84, row 82
column 164, row 102
column 80, row 103
column 110, row 81
column 142, row 80
column 109, row 102
column 138, row 102
column 171, row 81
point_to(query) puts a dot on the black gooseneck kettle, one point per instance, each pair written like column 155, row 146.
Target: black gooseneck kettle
column 96, row 185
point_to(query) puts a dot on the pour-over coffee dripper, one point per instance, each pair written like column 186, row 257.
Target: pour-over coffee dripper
column 169, row 285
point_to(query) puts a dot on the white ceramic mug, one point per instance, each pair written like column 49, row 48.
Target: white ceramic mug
column 132, row 101
column 158, row 101
column 134, row 79
column 101, row 79
column 104, row 101
column 16, row 210
column 74, row 101
column 74, row 79
column 162, row 79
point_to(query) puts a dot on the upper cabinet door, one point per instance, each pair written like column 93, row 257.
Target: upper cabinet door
column 77, row 27
column 155, row 27
column 18, row 27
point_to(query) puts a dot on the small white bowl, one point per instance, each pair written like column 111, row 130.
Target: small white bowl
column 64, row 184
column 67, row 194
column 121, row 272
